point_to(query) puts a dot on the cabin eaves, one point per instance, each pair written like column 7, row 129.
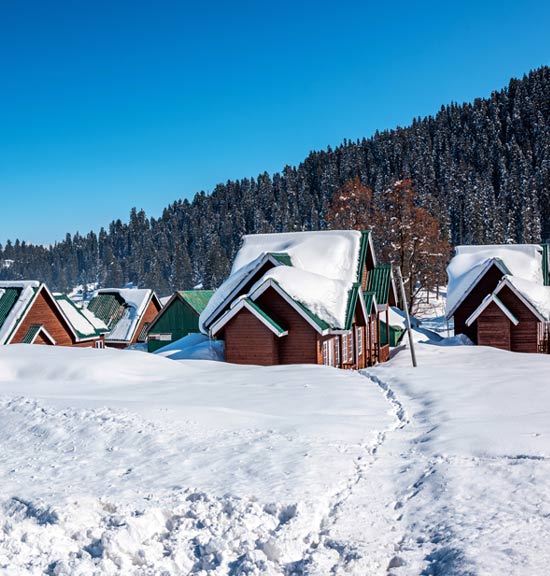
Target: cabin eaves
column 490, row 298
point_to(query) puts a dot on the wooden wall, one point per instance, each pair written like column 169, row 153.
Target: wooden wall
column 524, row 337
column 249, row 341
column 150, row 314
column 300, row 346
column 484, row 287
column 493, row 328
column 44, row 311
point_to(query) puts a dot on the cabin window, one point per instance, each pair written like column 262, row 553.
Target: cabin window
column 337, row 350
column 325, row 353
column 359, row 333
column 161, row 337
column 99, row 344
column 347, row 347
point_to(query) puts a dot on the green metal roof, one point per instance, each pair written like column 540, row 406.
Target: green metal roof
column 282, row 257
column 379, row 282
column 108, row 307
column 369, row 296
column 504, row 307
column 7, row 300
column 264, row 315
column 365, row 235
column 197, row 299
column 31, row 334
column 352, row 302
column 545, row 271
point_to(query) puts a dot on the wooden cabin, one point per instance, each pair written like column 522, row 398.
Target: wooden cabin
column 126, row 312
column 31, row 314
column 178, row 318
column 500, row 296
column 299, row 298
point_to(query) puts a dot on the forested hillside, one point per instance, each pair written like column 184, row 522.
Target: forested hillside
column 484, row 166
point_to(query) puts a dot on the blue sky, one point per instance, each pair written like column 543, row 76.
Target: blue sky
column 108, row 104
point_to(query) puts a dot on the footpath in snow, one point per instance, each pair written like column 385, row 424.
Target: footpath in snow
column 122, row 462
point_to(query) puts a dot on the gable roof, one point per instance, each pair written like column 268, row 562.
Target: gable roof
column 15, row 299
column 34, row 331
column 370, row 301
column 490, row 298
column 121, row 309
column 535, row 297
column 197, row 299
column 310, row 317
column 324, row 267
column 255, row 310
column 471, row 263
column 81, row 323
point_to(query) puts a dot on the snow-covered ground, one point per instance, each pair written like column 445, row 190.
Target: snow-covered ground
column 118, row 462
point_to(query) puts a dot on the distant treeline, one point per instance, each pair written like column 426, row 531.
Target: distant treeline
column 484, row 167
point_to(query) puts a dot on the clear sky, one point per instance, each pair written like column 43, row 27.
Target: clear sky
column 108, row 104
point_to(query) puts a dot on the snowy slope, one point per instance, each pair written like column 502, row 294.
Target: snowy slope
column 120, row 462
column 123, row 459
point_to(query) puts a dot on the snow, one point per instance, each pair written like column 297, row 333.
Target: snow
column 324, row 268
column 194, row 347
column 330, row 253
column 537, row 294
column 124, row 462
column 96, row 322
column 119, row 462
column 27, row 294
column 137, row 300
column 77, row 320
column 325, row 297
column 522, row 260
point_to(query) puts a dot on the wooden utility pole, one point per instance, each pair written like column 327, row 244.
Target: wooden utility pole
column 407, row 317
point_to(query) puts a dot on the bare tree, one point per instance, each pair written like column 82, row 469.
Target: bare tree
column 405, row 233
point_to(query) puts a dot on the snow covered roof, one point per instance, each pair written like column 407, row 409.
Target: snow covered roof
column 15, row 296
column 470, row 263
column 121, row 309
column 316, row 269
column 535, row 296
column 491, row 298
column 85, row 324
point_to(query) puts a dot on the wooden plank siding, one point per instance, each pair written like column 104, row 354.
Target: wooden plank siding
column 249, row 341
column 485, row 286
column 301, row 345
column 149, row 315
column 178, row 319
column 493, row 328
column 524, row 336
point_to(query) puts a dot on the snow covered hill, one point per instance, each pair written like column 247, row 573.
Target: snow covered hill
column 117, row 462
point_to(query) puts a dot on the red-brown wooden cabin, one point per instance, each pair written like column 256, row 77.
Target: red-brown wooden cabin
column 298, row 298
column 500, row 296
column 31, row 314
column 127, row 313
